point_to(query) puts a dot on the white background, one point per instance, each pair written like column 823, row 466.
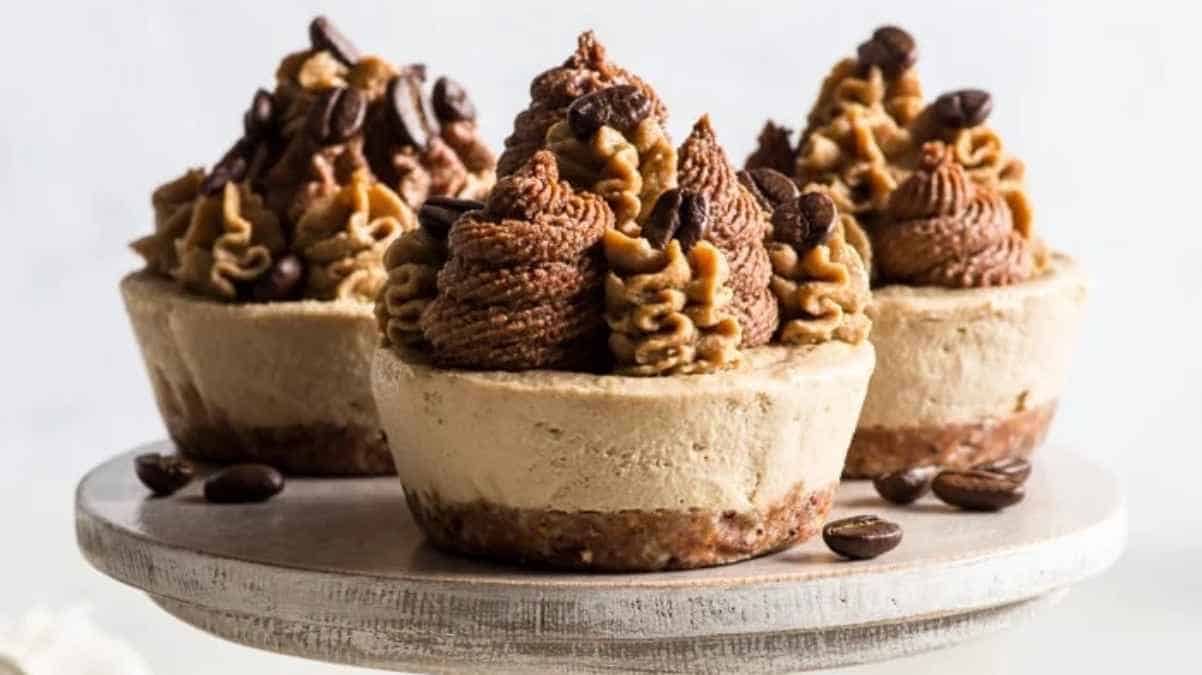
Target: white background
column 101, row 101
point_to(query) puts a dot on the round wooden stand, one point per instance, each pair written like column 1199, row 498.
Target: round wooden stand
column 336, row 570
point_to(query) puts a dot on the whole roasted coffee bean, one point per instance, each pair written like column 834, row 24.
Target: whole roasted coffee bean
column 1014, row 468
column 259, row 120
column 664, row 219
column 336, row 115
column 977, row 490
column 622, row 107
column 451, row 102
column 769, row 186
column 324, row 36
column 891, row 48
column 964, row 108
column 163, row 474
column 231, row 167
column 906, row 486
column 243, row 483
column 281, row 282
column 438, row 214
column 862, row 537
column 412, row 119
column 805, row 222
column 694, row 219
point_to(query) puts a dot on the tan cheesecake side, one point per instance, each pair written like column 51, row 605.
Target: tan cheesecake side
column 966, row 376
column 624, row 473
column 283, row 383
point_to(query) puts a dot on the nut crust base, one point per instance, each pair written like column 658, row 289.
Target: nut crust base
column 875, row 451
column 630, row 540
column 313, row 450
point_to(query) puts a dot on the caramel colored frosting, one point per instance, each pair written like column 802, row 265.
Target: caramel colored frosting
column 943, row 229
column 231, row 238
column 342, row 239
column 522, row 288
column 738, row 227
column 586, row 71
column 822, row 292
column 412, row 263
column 668, row 313
column 173, row 203
column 630, row 171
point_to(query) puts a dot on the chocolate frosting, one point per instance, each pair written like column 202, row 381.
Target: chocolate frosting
column 943, row 229
column 774, row 150
column 522, row 288
column 587, row 70
column 738, row 227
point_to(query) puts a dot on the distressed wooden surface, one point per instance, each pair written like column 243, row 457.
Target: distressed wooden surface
column 336, row 570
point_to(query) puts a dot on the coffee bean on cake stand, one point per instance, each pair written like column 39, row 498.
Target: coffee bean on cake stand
column 862, row 537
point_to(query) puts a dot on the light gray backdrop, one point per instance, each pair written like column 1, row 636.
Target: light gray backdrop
column 101, row 101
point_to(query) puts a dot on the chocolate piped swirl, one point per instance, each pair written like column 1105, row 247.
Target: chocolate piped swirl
column 523, row 286
column 586, row 71
column 942, row 229
column 738, row 227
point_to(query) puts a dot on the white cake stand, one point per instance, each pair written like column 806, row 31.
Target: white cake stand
column 336, row 570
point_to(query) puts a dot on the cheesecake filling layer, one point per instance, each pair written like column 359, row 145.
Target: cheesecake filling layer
column 287, row 383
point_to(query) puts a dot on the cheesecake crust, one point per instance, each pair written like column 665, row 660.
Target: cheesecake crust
column 309, row 450
column 876, row 450
column 629, row 540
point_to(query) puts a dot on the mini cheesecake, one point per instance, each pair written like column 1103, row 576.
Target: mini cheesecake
column 966, row 376
column 606, row 472
column 286, row 383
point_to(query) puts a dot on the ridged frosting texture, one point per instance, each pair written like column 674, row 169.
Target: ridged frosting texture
column 587, row 70
column 738, row 227
column 823, row 292
column 522, row 287
column 412, row 263
column 943, row 229
column 668, row 313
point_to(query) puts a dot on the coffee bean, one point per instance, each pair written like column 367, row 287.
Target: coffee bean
column 281, row 282
column 977, row 490
column 770, row 187
column 438, row 214
column 412, row 119
column 451, row 102
column 964, row 108
column 259, row 120
column 805, row 222
column 664, row 219
column 242, row 483
column 862, row 537
column 622, row 107
column 694, row 219
column 336, row 115
column 906, row 486
column 163, row 474
column 231, row 167
column 891, row 49
column 1014, row 468
column 324, row 36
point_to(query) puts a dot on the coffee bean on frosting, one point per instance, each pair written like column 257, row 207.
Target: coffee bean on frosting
column 259, row 120
column 905, row 486
column 281, row 282
column 242, row 483
column 622, row 107
column 890, row 48
column 413, row 120
column 805, row 222
column 1014, row 468
column 964, row 108
column 336, row 115
column 694, row 219
column 438, row 214
column 862, row 537
column 324, row 36
column 163, row 474
column 451, row 102
column 231, row 167
column 770, row 187
column 664, row 219
column 975, row 490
